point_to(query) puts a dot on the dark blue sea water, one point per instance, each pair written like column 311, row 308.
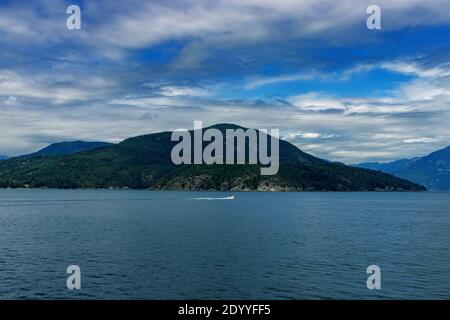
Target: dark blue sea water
column 166, row 245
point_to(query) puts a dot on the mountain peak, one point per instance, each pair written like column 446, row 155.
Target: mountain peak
column 225, row 125
column 144, row 162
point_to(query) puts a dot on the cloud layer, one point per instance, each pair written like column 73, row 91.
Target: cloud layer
column 312, row 69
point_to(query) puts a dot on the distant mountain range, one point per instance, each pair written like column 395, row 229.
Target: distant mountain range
column 2, row 157
column 431, row 171
column 388, row 167
column 144, row 162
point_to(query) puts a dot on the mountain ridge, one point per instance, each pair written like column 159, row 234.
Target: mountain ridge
column 144, row 162
column 432, row 170
column 67, row 147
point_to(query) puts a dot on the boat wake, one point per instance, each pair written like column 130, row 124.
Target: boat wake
column 225, row 198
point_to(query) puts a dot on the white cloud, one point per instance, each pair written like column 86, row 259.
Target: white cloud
column 140, row 24
column 420, row 140
column 46, row 86
column 153, row 23
column 309, row 135
column 174, row 91
column 414, row 69
column 262, row 81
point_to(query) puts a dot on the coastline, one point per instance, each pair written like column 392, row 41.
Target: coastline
column 232, row 191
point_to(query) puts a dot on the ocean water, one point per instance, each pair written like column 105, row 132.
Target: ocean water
column 170, row 245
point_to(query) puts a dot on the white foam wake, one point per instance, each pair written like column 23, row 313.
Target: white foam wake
column 225, row 198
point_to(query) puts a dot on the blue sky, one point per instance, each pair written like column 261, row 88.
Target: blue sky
column 310, row 68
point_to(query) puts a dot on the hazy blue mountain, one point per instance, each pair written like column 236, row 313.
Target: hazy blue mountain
column 431, row 171
column 144, row 162
column 388, row 167
column 66, row 148
column 2, row 157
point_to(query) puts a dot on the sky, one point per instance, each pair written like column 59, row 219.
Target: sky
column 312, row 69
